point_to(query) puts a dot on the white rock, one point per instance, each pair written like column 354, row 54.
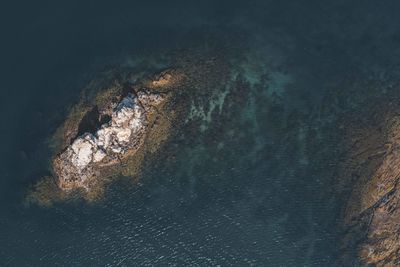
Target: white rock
column 116, row 149
column 122, row 116
column 82, row 151
column 122, row 134
column 98, row 155
column 136, row 124
column 104, row 136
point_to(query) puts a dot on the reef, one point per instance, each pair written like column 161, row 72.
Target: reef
column 122, row 120
column 372, row 170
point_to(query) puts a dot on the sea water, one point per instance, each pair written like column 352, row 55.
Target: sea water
column 259, row 195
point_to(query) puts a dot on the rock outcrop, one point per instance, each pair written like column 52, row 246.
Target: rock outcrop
column 123, row 119
column 372, row 215
column 122, row 135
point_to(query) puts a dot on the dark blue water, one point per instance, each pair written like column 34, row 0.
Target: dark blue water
column 255, row 187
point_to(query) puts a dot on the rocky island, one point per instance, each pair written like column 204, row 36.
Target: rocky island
column 119, row 121
column 123, row 119
column 128, row 121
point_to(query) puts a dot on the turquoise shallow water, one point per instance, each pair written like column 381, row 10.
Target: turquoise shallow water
column 253, row 187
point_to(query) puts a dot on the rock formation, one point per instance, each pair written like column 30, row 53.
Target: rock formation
column 122, row 135
column 372, row 215
column 123, row 119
